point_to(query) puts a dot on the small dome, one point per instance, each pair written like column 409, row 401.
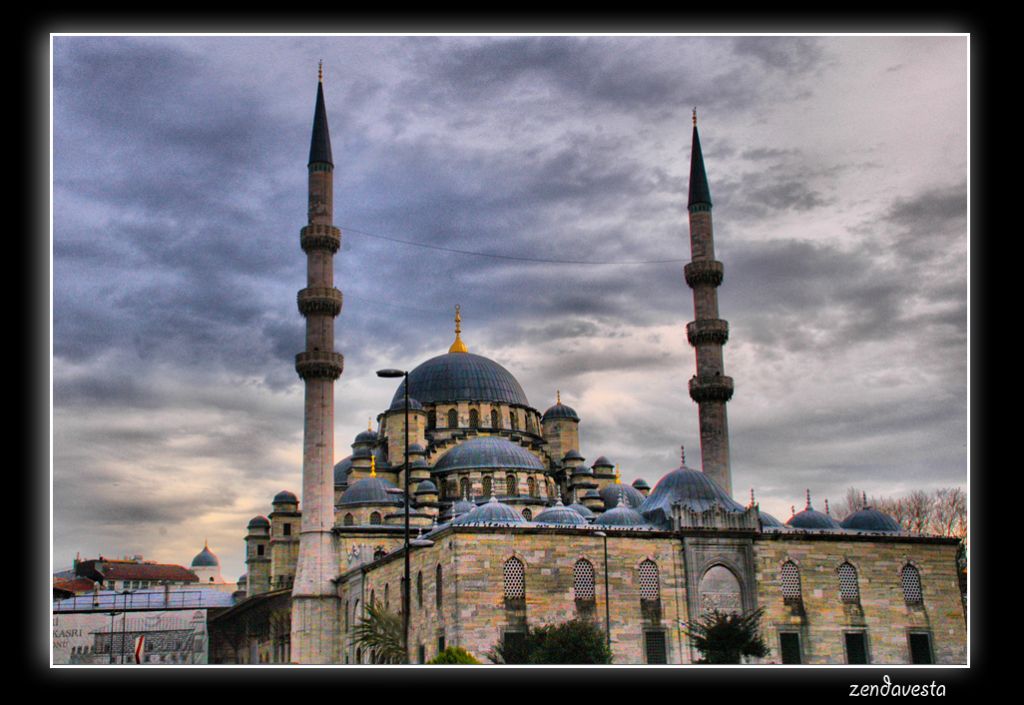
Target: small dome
column 341, row 471
column 582, row 510
column 560, row 411
column 426, row 487
column 582, row 470
column 603, row 462
column 416, row 448
column 462, row 376
column 459, row 507
column 488, row 452
column 259, row 521
column 491, row 512
column 244, row 579
column 205, row 559
column 591, row 494
column 285, row 497
column 611, row 494
column 370, row 490
column 573, row 455
column 560, row 514
column 367, row 436
column 870, row 519
column 641, row 484
column 688, row 487
column 621, row 516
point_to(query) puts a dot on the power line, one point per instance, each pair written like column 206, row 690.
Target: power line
column 538, row 260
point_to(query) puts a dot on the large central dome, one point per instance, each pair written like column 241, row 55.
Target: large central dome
column 462, row 376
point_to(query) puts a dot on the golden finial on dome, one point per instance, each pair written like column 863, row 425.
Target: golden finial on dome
column 458, row 346
column 618, row 476
column 369, row 424
column 373, row 466
column 558, row 396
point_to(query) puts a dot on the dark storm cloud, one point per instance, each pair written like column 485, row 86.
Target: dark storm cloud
column 796, row 55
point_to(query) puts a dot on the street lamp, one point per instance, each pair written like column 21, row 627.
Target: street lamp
column 607, row 598
column 404, row 374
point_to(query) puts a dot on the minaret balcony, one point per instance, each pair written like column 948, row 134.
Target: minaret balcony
column 703, row 272
column 317, row 236
column 319, row 299
column 711, row 330
column 710, row 388
column 319, row 364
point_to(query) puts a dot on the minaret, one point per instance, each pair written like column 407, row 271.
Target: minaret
column 314, row 628
column 710, row 388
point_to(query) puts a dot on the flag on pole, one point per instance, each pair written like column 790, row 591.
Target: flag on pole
column 140, row 647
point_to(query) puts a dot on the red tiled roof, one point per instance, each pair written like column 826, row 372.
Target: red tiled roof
column 146, row 571
column 75, row 585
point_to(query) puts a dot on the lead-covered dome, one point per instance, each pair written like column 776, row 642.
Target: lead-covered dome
column 689, row 487
column 870, row 519
column 611, row 495
column 621, row 515
column 205, row 558
column 560, row 514
column 491, row 512
column 488, row 452
column 370, row 490
column 810, row 518
column 462, row 376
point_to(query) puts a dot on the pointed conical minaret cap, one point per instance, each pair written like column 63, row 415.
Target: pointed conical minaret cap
column 700, row 194
column 458, row 346
column 320, row 144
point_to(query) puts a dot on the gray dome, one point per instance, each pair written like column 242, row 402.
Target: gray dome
column 399, row 404
column 370, row 490
column 560, row 514
column 560, row 411
column 768, row 520
column 582, row 510
column 461, row 506
column 205, row 559
column 870, row 519
column 809, row 518
column 685, row 486
column 259, row 521
column 573, row 454
column 367, row 436
column 603, row 462
column 285, row 497
column 582, row 470
column 491, row 512
column 621, row 516
column 341, row 471
column 488, row 452
column 610, row 496
column 462, row 377
column 640, row 484
column 426, row 487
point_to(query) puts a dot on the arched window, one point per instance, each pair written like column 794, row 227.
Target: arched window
column 720, row 590
column 583, row 580
column 486, row 486
column 650, row 583
column 464, row 487
column 349, row 519
column 531, row 486
column 495, row 419
column 450, row 486
column 438, row 587
column 375, row 518
column 513, row 419
column 474, row 418
column 789, row 579
column 453, row 418
column 515, row 579
column 419, row 589
column 849, row 592
column 431, row 419
column 510, row 485
column 910, row 579
column 527, row 514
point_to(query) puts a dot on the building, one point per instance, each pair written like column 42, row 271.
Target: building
column 513, row 527
column 132, row 573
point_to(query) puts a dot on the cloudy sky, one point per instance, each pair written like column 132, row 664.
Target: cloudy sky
column 558, row 166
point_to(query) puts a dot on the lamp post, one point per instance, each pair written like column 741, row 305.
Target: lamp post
column 607, row 598
column 124, row 619
column 404, row 374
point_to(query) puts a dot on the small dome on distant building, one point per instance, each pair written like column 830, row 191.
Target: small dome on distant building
column 370, row 490
column 205, row 558
column 582, row 470
column 367, row 436
column 768, row 521
column 491, row 512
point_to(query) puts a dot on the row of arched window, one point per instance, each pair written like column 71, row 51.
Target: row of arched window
column 452, row 417
column 849, row 589
column 583, row 580
column 464, row 488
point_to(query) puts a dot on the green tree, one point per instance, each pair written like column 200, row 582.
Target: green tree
column 453, row 656
column 725, row 637
column 380, row 634
column 573, row 642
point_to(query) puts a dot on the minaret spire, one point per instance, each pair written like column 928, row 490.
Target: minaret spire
column 710, row 388
column 314, row 623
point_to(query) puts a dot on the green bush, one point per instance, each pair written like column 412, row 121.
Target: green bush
column 572, row 642
column 726, row 637
column 453, row 655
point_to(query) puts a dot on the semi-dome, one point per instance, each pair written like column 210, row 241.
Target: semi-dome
column 491, row 512
column 370, row 490
column 285, row 497
column 621, row 516
column 611, row 494
column 688, row 487
column 205, row 558
column 462, row 376
column 560, row 514
column 488, row 452
column 870, row 519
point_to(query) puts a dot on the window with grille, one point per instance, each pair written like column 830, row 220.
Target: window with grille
column 474, row 418
column 583, row 579
column 495, row 419
column 650, row 589
column 654, row 646
column 438, row 589
column 515, row 580
column 848, row 590
column 510, row 485
column 453, row 418
column 910, row 579
column 789, row 578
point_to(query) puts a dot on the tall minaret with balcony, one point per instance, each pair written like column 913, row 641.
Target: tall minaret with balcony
column 710, row 388
column 314, row 628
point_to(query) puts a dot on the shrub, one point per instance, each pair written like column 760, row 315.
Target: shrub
column 453, row 656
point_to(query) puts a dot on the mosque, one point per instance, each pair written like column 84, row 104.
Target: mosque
column 509, row 526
